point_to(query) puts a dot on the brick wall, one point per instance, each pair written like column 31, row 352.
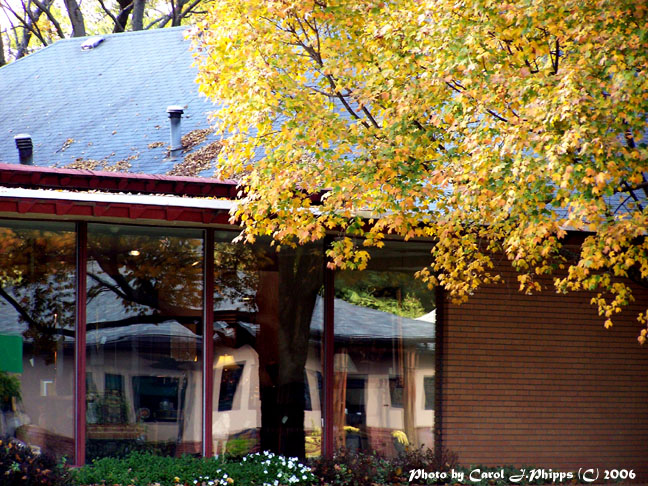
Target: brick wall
column 537, row 380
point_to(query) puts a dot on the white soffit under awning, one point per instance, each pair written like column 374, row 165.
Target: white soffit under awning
column 121, row 198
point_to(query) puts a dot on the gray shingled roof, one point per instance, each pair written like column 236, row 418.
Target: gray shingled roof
column 104, row 103
column 357, row 322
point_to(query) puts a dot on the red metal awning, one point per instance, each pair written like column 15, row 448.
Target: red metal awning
column 32, row 177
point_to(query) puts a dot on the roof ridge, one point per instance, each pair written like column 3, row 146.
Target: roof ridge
column 110, row 35
column 128, row 33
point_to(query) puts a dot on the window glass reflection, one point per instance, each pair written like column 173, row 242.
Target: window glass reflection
column 37, row 315
column 266, row 350
column 384, row 353
column 144, row 340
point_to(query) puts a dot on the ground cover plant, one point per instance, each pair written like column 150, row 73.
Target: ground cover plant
column 145, row 469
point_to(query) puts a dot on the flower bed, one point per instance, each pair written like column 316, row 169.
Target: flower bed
column 19, row 466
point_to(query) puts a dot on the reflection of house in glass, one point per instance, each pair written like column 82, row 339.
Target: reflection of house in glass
column 381, row 363
column 370, row 344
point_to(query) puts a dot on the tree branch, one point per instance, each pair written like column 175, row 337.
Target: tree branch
column 22, row 312
column 108, row 12
column 51, row 17
column 455, row 85
column 145, row 319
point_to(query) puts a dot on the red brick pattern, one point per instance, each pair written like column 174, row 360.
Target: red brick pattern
column 537, row 380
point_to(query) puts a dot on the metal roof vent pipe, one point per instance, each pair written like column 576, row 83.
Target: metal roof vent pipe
column 175, row 117
column 25, row 148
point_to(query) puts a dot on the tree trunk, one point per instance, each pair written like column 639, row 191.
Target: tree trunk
column 137, row 21
column 3, row 60
column 283, row 347
column 177, row 12
column 76, row 18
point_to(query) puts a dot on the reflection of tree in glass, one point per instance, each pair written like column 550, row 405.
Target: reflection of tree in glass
column 398, row 293
column 37, row 281
column 236, row 278
column 157, row 277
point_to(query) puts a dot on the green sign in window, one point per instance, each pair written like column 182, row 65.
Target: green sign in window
column 11, row 348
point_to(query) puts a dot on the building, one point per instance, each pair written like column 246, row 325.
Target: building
column 134, row 322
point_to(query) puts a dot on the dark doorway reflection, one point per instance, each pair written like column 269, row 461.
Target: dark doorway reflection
column 144, row 340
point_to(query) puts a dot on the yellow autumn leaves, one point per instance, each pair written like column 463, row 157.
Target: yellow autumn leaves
column 490, row 127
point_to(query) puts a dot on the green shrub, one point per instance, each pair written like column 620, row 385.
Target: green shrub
column 267, row 469
column 143, row 469
column 9, row 387
column 20, row 466
column 422, row 458
column 347, row 468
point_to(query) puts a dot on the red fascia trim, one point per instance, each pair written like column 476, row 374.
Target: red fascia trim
column 31, row 177
column 98, row 209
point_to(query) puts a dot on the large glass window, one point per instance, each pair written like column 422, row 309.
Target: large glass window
column 37, row 315
column 144, row 340
column 266, row 350
column 144, row 344
column 384, row 353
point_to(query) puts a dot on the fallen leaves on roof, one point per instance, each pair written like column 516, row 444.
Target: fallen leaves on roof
column 196, row 162
column 104, row 165
column 81, row 163
column 66, row 144
column 195, row 137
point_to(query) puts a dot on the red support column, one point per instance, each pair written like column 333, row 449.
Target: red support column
column 329, row 337
column 80, row 345
column 208, row 344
